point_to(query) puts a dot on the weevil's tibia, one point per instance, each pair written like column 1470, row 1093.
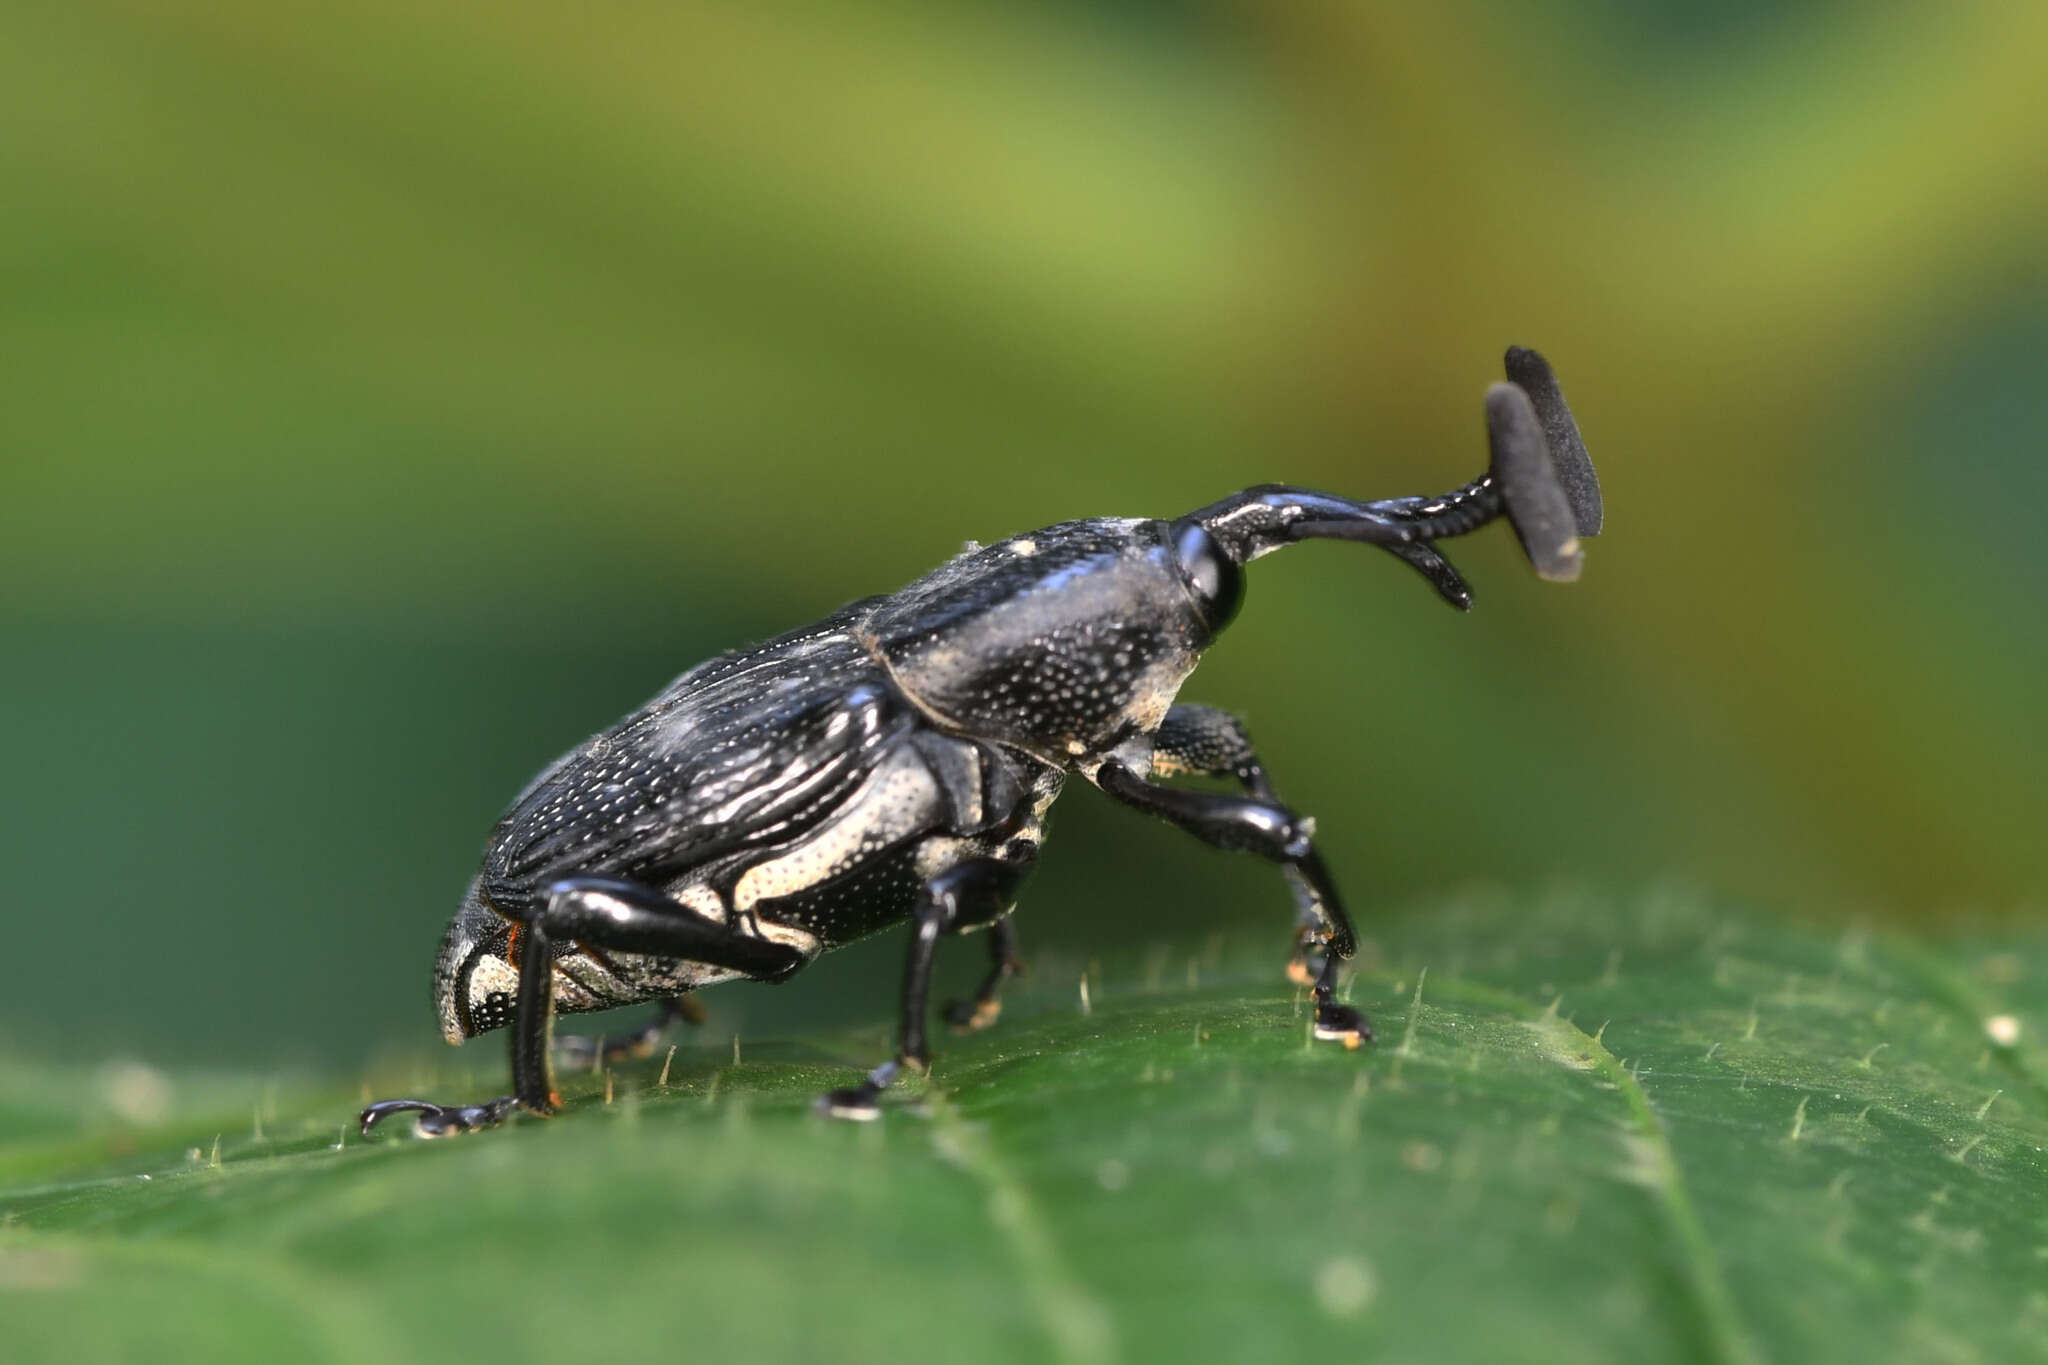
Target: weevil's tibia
column 971, row 892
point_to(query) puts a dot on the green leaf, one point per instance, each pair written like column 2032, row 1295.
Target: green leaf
column 1667, row 1131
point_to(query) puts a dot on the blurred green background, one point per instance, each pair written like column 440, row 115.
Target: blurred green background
column 392, row 398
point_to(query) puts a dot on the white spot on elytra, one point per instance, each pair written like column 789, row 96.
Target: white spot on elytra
column 1024, row 548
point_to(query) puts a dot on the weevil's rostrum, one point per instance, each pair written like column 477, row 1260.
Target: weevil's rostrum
column 897, row 760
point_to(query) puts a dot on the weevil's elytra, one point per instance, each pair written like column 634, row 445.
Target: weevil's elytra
column 898, row 760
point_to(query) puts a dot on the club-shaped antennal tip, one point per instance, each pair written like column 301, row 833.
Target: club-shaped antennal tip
column 1532, row 374
column 1536, row 501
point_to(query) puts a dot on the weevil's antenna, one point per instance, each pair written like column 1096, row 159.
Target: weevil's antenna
column 1532, row 374
column 1530, row 489
column 1541, row 479
column 1428, row 561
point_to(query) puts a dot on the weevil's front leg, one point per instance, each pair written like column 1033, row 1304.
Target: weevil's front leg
column 604, row 913
column 579, row 1050
column 978, row 1013
column 1212, row 743
column 1261, row 825
column 970, row 891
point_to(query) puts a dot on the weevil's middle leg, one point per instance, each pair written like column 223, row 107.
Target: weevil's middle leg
column 964, row 894
column 579, row 1050
column 979, row 1012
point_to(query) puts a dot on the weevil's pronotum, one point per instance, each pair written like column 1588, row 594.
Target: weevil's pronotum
column 896, row 761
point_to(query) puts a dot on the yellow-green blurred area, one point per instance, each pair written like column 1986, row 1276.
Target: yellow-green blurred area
column 396, row 394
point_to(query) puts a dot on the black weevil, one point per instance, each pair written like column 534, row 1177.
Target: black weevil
column 897, row 759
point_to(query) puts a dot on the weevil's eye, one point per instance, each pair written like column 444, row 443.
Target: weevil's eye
column 1212, row 576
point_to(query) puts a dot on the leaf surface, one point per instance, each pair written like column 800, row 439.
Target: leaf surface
column 1666, row 1131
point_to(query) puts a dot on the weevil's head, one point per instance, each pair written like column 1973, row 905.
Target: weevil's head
column 475, row 982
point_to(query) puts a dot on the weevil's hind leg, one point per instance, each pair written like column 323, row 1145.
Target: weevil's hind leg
column 966, row 1016
column 604, row 913
column 441, row 1120
column 576, row 1050
column 1204, row 740
column 966, row 893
